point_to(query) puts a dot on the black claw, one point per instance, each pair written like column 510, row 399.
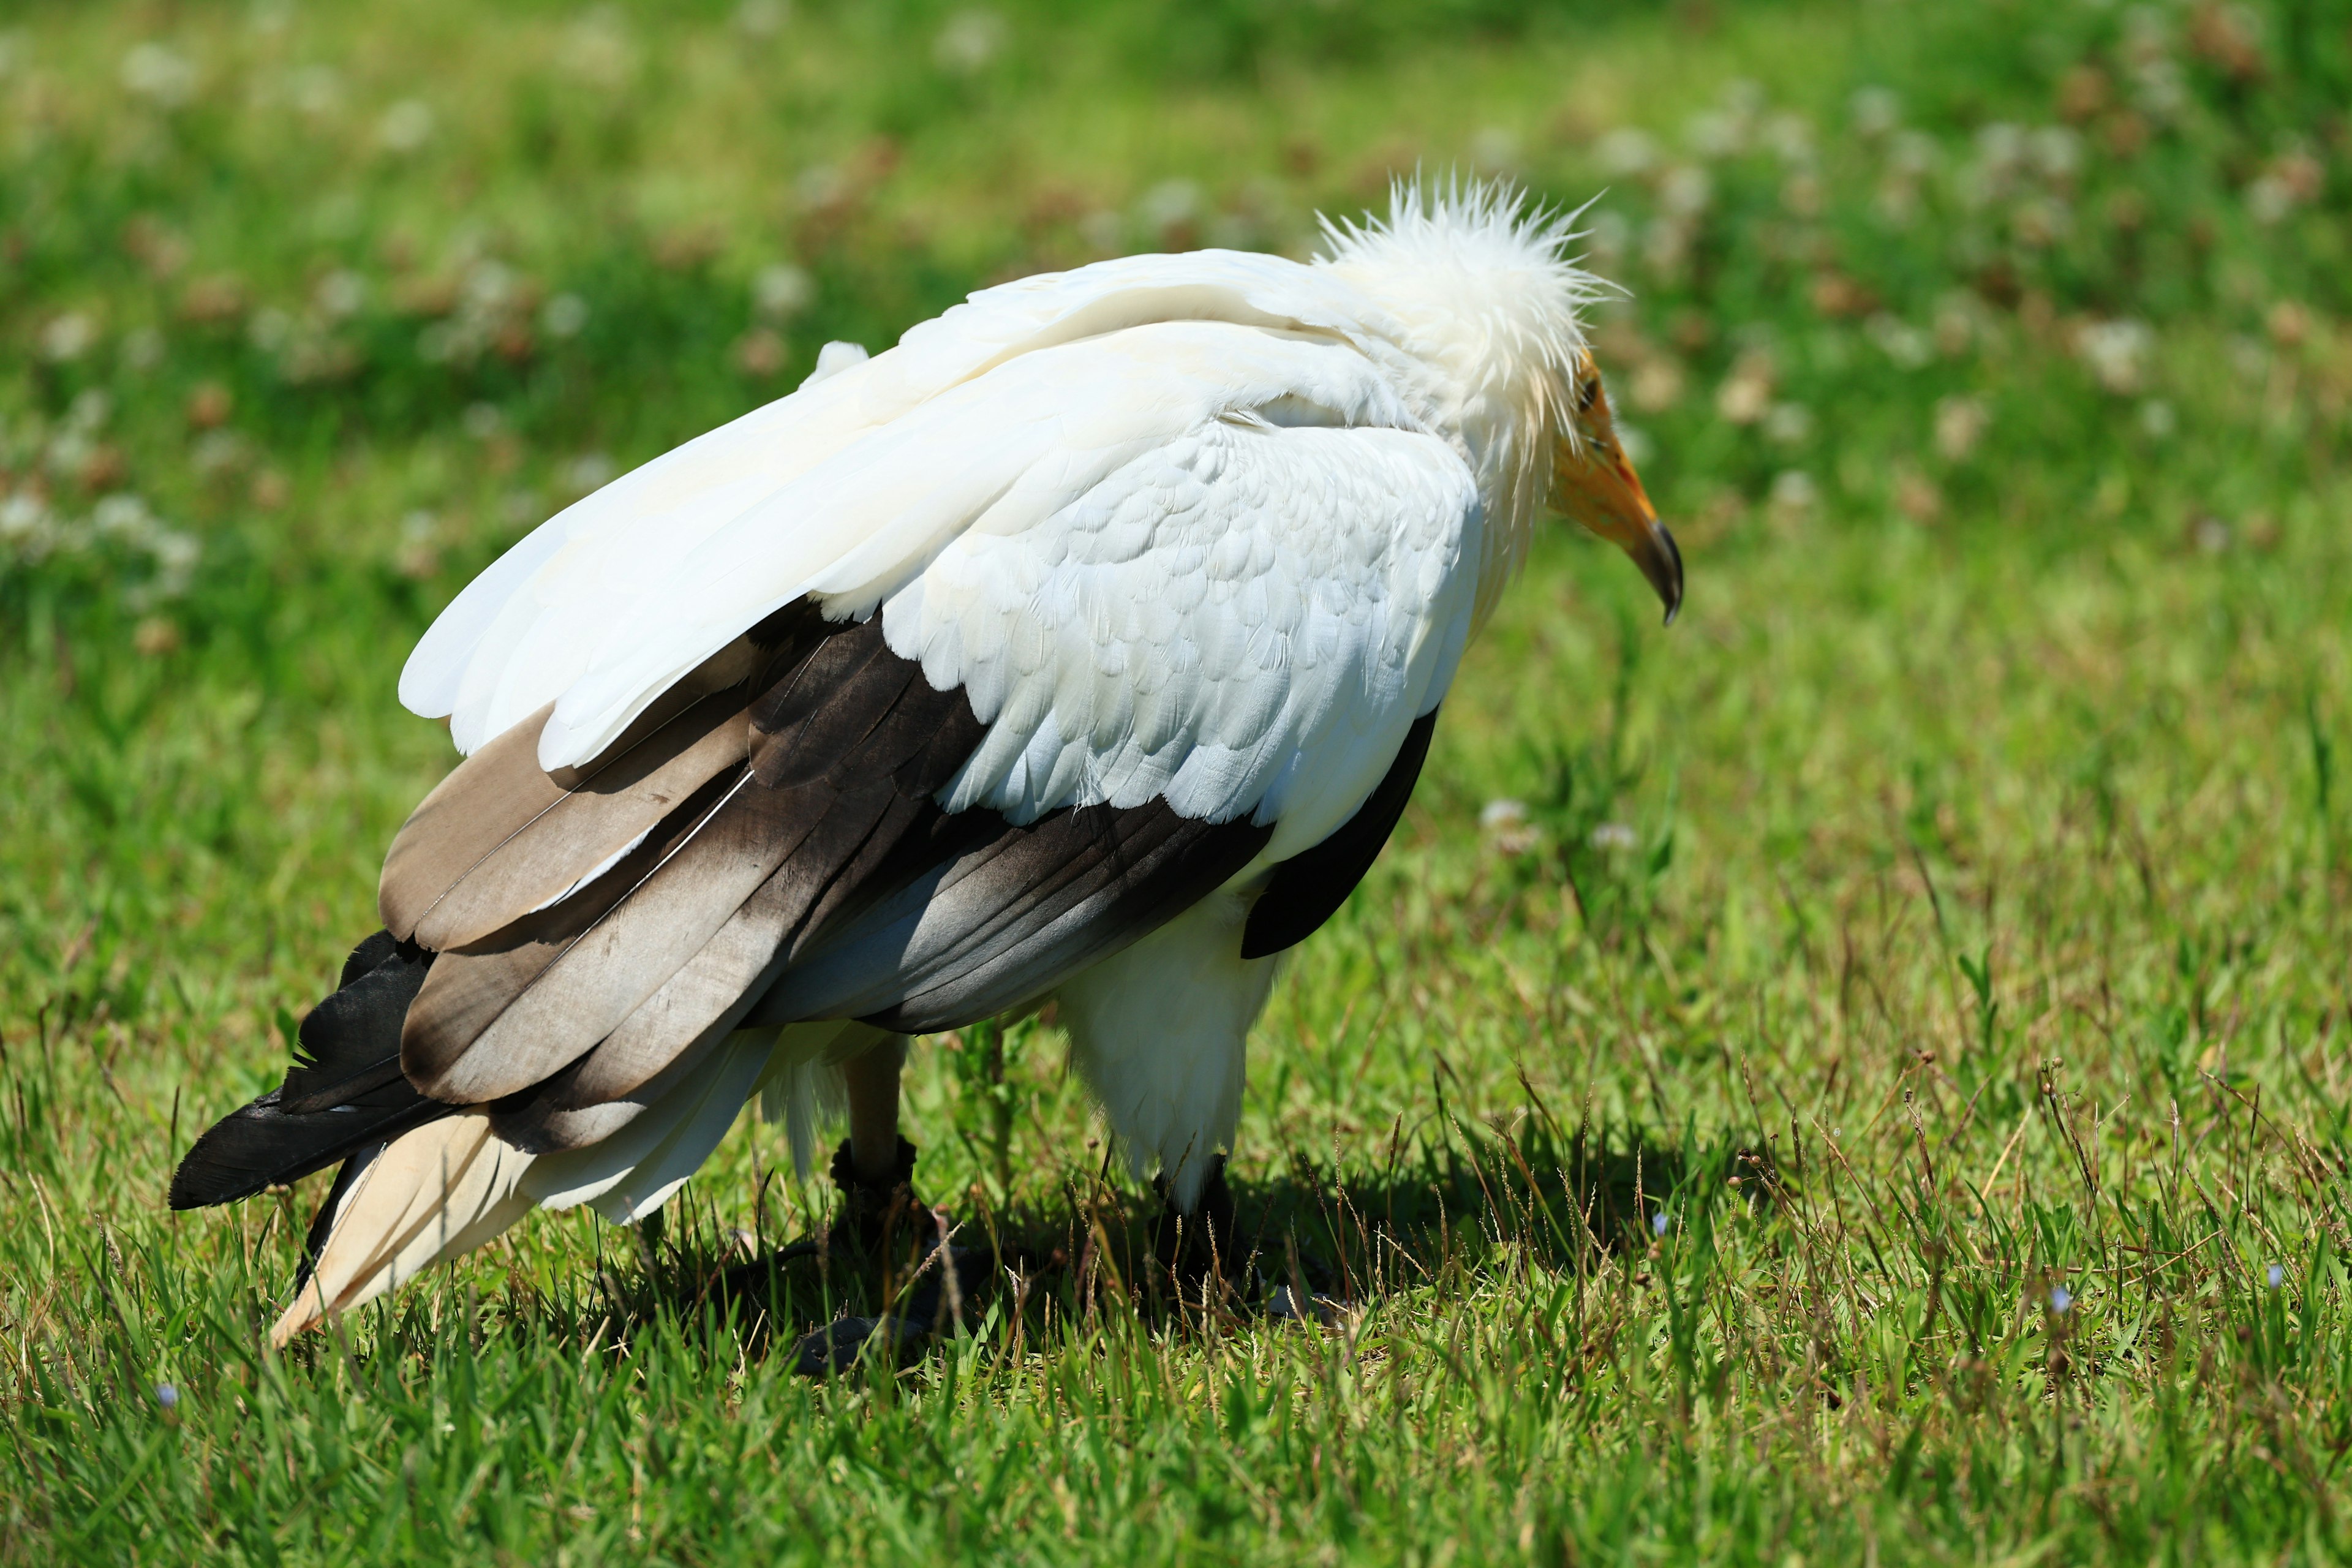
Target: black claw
column 933, row 1310
column 837, row 1346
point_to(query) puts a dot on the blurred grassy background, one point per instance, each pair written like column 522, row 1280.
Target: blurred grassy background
column 1972, row 856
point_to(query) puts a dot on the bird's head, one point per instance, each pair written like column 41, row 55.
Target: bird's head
column 1480, row 295
column 1593, row 482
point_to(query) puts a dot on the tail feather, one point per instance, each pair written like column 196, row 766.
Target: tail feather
column 440, row 1191
column 432, row 1193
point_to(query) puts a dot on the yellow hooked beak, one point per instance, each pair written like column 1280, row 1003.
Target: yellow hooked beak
column 1593, row 482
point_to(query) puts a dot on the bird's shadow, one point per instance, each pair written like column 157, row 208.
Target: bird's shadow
column 1443, row 1210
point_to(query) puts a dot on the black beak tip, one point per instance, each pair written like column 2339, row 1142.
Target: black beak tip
column 1669, row 580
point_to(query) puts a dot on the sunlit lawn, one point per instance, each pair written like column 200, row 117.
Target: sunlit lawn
column 1860, row 1072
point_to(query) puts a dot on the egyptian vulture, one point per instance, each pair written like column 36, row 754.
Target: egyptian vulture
column 1085, row 646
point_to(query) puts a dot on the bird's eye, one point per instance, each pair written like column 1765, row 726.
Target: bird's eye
column 1588, row 393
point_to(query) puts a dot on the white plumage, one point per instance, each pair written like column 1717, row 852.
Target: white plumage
column 1212, row 529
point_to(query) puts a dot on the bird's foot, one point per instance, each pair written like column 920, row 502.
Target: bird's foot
column 883, row 1221
column 1201, row 1251
column 953, row 1278
column 880, row 1214
column 882, row 1227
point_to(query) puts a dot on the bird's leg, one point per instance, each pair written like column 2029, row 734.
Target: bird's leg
column 873, row 1076
column 882, row 1219
column 875, row 1167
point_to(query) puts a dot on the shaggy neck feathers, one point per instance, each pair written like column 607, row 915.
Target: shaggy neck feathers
column 1486, row 312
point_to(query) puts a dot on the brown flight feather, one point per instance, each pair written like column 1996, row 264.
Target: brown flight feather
column 481, row 802
column 540, row 861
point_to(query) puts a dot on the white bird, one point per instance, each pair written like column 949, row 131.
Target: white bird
column 1085, row 648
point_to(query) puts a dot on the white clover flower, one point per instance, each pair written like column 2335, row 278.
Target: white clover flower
column 1626, row 152
column 488, row 286
column 142, row 349
column 1103, row 230
column 563, row 316
column 597, row 50
column 1906, row 345
column 1494, row 149
column 1794, row 492
column 1606, row 237
column 1876, row 111
column 341, row 293
column 820, row 186
column 1685, row 191
column 781, row 291
column 315, row 91
column 1788, row 423
column 26, row 527
column 589, row 471
column 1713, row 133
column 1501, row 813
column 1613, row 836
column 969, row 42
column 159, row 75
column 2118, row 352
column 761, row 18
column 216, row 451
column 1168, row 204
column 271, row 329
column 121, row 516
column 1913, row 154
column 2055, row 151
column 1790, row 138
column 1959, row 424
column 90, row 409
column 67, row 337
column 405, row 126
column 176, row 554
column 2001, row 146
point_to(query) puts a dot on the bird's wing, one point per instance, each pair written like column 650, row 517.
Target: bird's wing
column 806, row 476
column 1073, row 718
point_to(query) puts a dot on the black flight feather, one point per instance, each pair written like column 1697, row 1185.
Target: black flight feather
column 343, row 1091
column 1308, row 889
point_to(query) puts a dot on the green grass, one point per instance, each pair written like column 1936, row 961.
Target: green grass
column 1967, row 874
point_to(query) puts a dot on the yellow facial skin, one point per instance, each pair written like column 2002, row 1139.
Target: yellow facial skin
column 1593, row 483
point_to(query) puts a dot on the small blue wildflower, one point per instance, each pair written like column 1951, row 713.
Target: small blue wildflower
column 167, row 1396
column 2277, row 1274
column 1658, row 1223
column 2061, row 1297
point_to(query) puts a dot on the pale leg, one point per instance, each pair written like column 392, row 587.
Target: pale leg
column 873, row 1077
